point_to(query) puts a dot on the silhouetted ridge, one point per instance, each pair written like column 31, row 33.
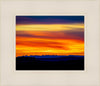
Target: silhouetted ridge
column 50, row 56
column 52, row 62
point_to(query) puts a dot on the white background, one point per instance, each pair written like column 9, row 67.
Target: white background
column 89, row 77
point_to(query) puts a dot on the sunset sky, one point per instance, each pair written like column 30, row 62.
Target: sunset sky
column 49, row 35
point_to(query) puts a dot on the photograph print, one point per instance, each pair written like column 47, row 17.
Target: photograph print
column 50, row 43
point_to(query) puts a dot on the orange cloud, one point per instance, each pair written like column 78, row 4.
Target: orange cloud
column 33, row 46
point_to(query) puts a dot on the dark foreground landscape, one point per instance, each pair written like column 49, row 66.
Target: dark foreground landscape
column 50, row 63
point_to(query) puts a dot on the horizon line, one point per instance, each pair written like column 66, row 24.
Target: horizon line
column 49, row 55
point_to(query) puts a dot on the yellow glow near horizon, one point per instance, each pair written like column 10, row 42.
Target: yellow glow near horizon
column 68, row 47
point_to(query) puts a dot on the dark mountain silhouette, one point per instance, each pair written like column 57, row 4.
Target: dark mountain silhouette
column 50, row 62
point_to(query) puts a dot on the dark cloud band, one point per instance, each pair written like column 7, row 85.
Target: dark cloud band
column 49, row 19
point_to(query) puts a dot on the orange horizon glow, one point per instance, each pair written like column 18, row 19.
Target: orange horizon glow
column 49, row 39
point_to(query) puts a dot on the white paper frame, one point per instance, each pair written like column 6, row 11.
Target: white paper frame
column 88, row 77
